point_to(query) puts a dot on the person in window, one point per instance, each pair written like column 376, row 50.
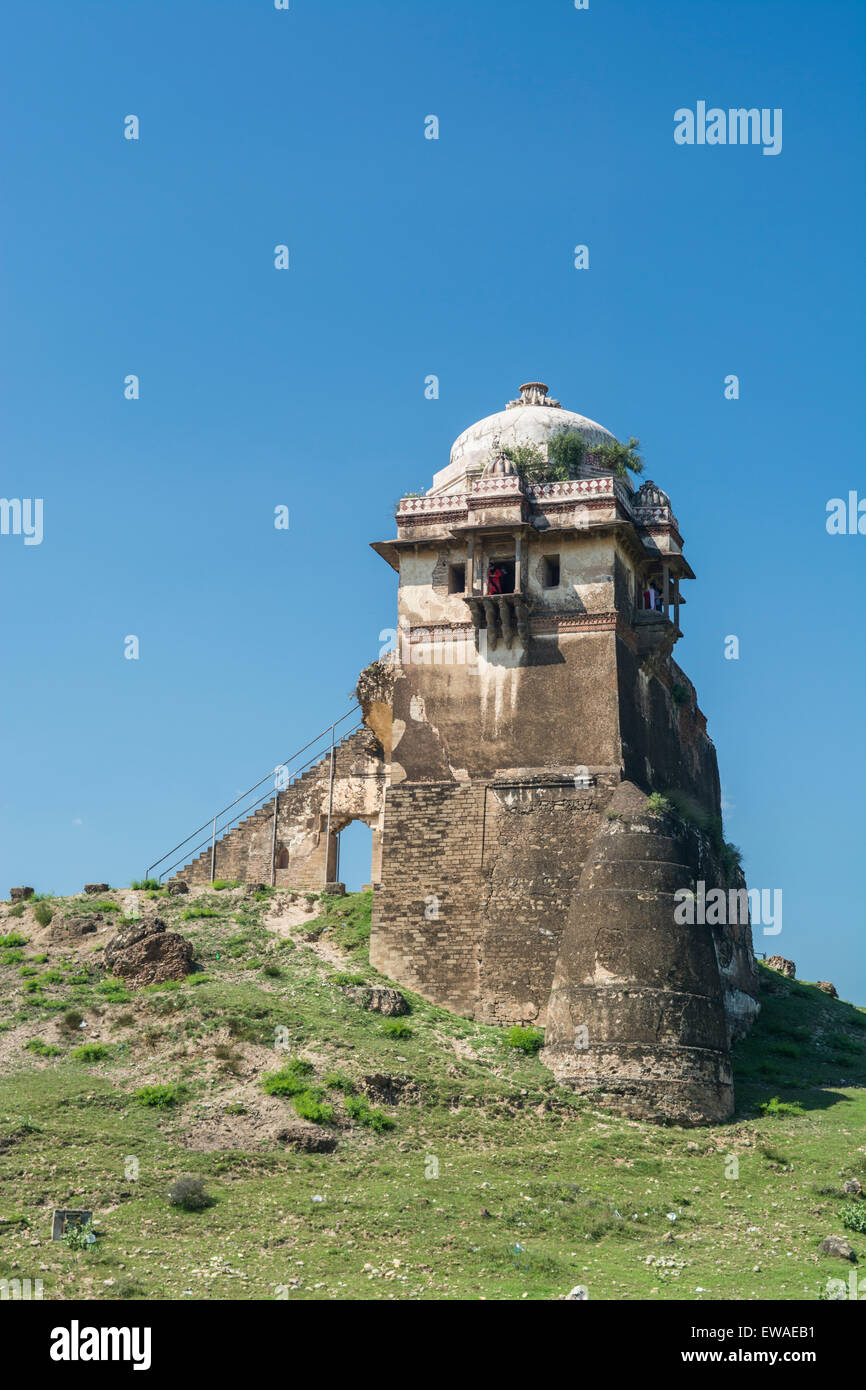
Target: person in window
column 495, row 576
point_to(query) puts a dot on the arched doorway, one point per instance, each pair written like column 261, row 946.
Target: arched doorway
column 355, row 854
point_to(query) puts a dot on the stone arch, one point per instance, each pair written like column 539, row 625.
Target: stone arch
column 298, row 851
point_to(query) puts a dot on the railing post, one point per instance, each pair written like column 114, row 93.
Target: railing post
column 213, row 853
column 274, row 842
column 330, row 807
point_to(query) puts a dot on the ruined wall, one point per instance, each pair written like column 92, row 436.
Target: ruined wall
column 476, row 885
column 643, row 1005
column 249, row 851
column 665, row 744
column 535, row 842
column 426, row 913
column 554, row 706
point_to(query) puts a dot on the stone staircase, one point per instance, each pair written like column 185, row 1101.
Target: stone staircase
column 230, row 845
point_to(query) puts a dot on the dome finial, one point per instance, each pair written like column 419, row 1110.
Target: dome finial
column 534, row 393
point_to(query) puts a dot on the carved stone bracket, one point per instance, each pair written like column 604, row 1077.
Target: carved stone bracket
column 501, row 616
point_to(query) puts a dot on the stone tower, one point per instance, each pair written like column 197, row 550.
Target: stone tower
column 531, row 707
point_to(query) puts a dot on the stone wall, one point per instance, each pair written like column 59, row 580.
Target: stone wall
column 301, row 854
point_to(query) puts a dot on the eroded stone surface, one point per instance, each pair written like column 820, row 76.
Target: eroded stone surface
column 148, row 954
column 784, row 967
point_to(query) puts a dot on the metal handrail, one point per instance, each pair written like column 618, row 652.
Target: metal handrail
column 222, row 830
column 211, row 823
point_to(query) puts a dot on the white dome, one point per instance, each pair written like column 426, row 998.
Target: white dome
column 531, row 419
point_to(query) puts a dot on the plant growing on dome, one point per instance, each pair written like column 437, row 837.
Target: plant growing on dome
column 619, row 457
column 566, row 450
column 529, row 461
column 565, row 454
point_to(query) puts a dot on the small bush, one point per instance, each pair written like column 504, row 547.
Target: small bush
column 79, row 1236
column 91, row 1052
column 143, row 884
column 272, row 971
column 338, row 1081
column 853, row 1216
column 658, row 803
column 43, row 1049
column 528, row 1040
column 220, row 883
column 43, row 914
column 160, row 1097
column 679, row 693
column 13, row 938
column 781, row 1107
column 374, row 1119
column 290, row 1080
column 396, row 1028
column 235, row 1108
column 72, row 1020
column 344, row 978
column 106, row 907
column 189, row 1194
column 310, row 1106
column 190, row 913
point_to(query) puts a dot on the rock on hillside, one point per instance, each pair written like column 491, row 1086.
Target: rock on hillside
column 148, row 954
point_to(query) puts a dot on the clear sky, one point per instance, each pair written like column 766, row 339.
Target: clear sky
column 305, row 387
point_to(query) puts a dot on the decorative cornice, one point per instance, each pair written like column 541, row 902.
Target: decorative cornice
column 453, row 502
column 574, row 622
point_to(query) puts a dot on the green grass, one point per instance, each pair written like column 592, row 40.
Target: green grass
column 528, row 1040
column 92, row 1052
column 431, row 1130
column 396, row 1028
column 310, row 1106
column 44, row 1049
column 160, row 1097
column 367, row 1115
column 290, row 1080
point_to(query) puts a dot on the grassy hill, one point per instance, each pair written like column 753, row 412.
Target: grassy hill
column 461, row 1169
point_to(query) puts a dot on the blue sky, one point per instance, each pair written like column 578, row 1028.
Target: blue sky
column 306, row 388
